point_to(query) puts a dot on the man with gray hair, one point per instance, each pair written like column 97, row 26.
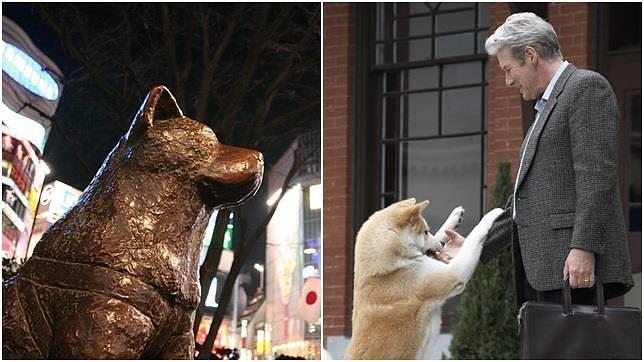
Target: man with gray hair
column 565, row 219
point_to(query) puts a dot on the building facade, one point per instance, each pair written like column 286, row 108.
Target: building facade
column 414, row 107
column 293, row 254
column 31, row 89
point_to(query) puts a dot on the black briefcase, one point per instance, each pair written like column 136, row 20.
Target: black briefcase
column 567, row 331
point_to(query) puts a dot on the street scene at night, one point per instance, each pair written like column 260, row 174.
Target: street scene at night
column 122, row 115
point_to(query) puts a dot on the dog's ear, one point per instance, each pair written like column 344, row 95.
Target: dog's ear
column 158, row 105
column 422, row 205
column 415, row 210
column 406, row 203
column 411, row 213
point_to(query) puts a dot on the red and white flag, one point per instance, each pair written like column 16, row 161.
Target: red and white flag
column 309, row 305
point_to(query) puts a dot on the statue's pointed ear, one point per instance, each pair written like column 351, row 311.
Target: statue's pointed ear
column 159, row 104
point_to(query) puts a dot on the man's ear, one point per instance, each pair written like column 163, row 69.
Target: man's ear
column 531, row 55
column 159, row 104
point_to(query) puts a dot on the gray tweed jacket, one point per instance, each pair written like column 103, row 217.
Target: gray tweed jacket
column 568, row 195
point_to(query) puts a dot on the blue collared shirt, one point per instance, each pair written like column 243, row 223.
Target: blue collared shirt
column 538, row 106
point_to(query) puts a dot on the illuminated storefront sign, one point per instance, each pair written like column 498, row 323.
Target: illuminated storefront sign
column 27, row 72
column 23, row 127
column 56, row 199
column 315, row 197
column 60, row 197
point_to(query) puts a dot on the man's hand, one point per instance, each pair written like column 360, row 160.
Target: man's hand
column 580, row 268
column 451, row 248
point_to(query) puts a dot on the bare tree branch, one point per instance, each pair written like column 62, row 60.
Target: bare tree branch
column 251, row 62
column 211, row 64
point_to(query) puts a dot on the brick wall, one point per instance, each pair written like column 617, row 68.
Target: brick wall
column 575, row 24
column 338, row 90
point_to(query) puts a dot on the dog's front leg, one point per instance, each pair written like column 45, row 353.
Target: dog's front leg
column 467, row 258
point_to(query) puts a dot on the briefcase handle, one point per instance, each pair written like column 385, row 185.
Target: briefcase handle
column 599, row 297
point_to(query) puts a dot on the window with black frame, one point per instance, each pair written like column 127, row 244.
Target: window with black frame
column 430, row 64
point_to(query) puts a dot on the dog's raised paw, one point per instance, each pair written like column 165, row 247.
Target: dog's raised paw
column 455, row 219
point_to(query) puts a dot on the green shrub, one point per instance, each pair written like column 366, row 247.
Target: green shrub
column 486, row 326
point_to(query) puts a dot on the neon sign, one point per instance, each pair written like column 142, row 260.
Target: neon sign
column 24, row 127
column 26, row 71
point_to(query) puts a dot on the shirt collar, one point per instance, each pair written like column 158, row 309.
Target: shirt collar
column 546, row 95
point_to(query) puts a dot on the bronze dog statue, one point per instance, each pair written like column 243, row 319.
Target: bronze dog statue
column 116, row 277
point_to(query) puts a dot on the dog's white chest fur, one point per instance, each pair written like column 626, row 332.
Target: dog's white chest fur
column 434, row 321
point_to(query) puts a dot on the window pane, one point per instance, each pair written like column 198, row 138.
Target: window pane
column 390, row 116
column 447, row 172
column 384, row 53
column 625, row 21
column 389, row 167
column 417, row 26
column 412, row 50
column 462, row 20
column 391, row 82
column 462, row 73
column 384, row 14
column 422, row 114
column 480, row 41
column 461, row 110
column 386, row 200
column 423, row 78
column 411, row 8
column 454, row 45
column 484, row 15
column 454, row 6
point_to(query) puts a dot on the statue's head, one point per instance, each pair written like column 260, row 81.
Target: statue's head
column 162, row 140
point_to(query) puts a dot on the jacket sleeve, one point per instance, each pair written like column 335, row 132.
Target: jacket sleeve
column 593, row 122
column 500, row 235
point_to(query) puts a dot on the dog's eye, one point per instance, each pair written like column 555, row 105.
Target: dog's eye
column 426, row 231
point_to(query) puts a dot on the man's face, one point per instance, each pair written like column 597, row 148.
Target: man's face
column 523, row 76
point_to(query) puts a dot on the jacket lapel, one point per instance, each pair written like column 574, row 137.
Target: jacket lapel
column 533, row 142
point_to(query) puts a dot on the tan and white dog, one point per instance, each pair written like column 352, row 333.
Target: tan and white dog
column 398, row 289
